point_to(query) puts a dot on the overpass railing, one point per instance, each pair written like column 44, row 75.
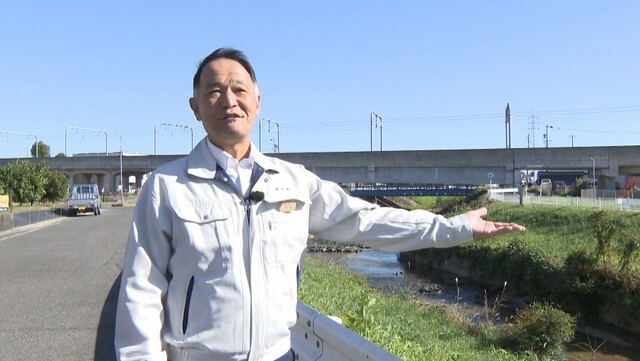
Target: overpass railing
column 411, row 189
column 320, row 338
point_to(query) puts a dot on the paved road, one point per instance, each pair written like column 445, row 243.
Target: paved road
column 58, row 287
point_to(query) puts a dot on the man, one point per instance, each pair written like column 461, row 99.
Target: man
column 210, row 267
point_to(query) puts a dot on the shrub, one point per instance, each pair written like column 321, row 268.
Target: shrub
column 542, row 329
column 579, row 186
column 604, row 231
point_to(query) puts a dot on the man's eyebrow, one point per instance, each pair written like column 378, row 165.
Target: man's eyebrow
column 214, row 84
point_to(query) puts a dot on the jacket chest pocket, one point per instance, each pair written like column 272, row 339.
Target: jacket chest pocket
column 287, row 227
column 201, row 234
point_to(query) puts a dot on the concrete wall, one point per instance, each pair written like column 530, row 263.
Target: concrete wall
column 6, row 221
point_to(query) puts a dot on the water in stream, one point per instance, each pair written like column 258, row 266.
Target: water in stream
column 384, row 271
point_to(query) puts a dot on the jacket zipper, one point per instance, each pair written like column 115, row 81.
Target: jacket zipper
column 187, row 303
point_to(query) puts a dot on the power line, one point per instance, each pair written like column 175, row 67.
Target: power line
column 595, row 131
column 610, row 112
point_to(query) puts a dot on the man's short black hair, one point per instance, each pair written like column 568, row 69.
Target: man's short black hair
column 225, row 53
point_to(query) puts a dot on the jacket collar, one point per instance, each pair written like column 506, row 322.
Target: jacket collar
column 201, row 163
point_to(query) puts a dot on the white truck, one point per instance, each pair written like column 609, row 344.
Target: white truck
column 546, row 186
column 85, row 198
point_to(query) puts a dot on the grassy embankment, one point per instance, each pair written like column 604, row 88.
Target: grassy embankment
column 397, row 323
column 584, row 260
column 540, row 262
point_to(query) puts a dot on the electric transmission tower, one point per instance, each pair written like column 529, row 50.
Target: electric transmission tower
column 533, row 126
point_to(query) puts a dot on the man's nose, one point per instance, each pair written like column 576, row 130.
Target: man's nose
column 228, row 99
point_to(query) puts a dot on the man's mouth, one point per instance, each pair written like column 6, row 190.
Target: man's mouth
column 231, row 117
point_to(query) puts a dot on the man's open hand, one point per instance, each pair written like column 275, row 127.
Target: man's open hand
column 485, row 229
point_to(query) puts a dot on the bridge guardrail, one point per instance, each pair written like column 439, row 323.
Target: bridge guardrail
column 316, row 337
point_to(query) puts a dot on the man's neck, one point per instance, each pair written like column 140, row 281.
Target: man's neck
column 237, row 150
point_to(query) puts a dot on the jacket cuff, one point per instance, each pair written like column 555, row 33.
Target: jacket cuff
column 461, row 231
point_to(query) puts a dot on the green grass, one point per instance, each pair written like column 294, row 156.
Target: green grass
column 557, row 232
column 425, row 202
column 397, row 323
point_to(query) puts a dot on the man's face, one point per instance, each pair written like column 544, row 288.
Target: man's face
column 227, row 103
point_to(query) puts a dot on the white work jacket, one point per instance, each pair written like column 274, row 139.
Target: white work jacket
column 210, row 275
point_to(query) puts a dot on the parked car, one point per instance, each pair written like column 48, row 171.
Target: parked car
column 545, row 187
column 560, row 187
column 85, row 198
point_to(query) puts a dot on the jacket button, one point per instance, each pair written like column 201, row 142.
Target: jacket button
column 205, row 217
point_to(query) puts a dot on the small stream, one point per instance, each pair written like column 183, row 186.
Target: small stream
column 384, row 271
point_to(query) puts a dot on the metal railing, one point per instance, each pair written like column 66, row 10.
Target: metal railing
column 614, row 201
column 622, row 204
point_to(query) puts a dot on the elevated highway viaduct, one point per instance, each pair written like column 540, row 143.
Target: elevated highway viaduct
column 468, row 166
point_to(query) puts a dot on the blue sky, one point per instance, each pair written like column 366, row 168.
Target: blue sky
column 439, row 73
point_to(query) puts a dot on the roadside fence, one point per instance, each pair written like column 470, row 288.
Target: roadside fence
column 511, row 195
column 622, row 204
column 35, row 214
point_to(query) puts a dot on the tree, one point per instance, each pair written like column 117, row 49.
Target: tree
column 56, row 188
column 24, row 181
column 60, row 155
column 3, row 187
column 43, row 149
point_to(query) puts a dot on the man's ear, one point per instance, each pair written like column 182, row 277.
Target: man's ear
column 258, row 99
column 194, row 107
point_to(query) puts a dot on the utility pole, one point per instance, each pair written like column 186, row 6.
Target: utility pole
column 377, row 119
column 507, row 127
column 106, row 138
column 27, row 134
column 593, row 161
column 546, row 135
column 169, row 125
column 276, row 142
column 572, row 137
column 121, row 175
